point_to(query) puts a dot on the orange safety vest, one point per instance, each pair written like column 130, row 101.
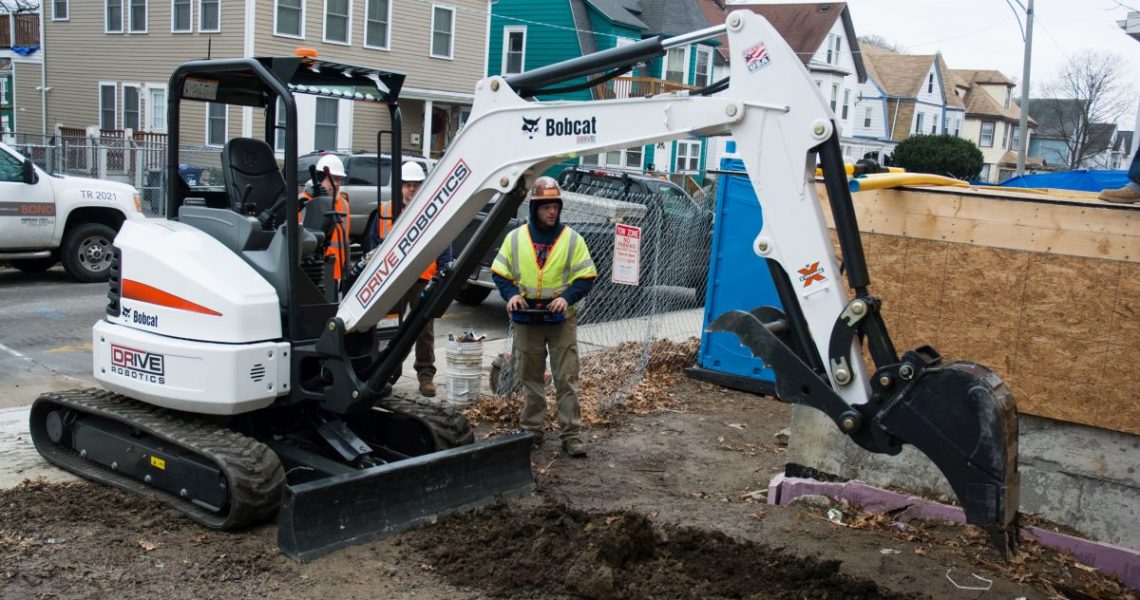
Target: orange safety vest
column 338, row 244
column 384, row 226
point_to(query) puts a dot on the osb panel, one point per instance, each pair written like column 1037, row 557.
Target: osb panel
column 1066, row 358
column 992, row 346
column 1070, row 297
column 922, row 279
column 911, row 332
column 1126, row 307
column 1061, row 399
column 1121, row 388
column 886, row 262
column 984, row 286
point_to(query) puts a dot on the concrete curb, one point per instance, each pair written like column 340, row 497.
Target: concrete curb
column 1122, row 562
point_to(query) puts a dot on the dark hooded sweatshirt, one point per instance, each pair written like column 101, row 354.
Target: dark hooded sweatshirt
column 543, row 239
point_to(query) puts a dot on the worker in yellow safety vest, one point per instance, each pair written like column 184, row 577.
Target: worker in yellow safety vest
column 330, row 175
column 542, row 270
column 412, row 177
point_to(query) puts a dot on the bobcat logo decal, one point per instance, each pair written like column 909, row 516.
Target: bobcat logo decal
column 530, row 126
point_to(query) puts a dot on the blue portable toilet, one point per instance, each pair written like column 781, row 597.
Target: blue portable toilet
column 738, row 280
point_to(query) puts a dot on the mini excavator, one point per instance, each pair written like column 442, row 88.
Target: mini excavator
column 243, row 385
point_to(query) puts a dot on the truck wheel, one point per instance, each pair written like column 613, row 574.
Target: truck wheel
column 87, row 252
column 472, row 295
column 34, row 265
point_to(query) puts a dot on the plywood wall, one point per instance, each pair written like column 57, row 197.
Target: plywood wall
column 1058, row 320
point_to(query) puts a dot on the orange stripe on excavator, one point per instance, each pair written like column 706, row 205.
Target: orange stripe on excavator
column 145, row 293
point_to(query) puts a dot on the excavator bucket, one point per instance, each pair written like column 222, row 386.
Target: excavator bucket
column 961, row 416
column 322, row 516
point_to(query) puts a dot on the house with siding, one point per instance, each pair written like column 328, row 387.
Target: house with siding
column 528, row 34
column 905, row 95
column 823, row 36
column 992, row 119
column 110, row 61
column 21, row 70
column 1062, row 121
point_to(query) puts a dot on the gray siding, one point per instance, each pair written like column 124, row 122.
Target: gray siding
column 80, row 55
column 27, row 114
column 410, row 43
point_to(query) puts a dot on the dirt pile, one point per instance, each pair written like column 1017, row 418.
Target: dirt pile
column 559, row 551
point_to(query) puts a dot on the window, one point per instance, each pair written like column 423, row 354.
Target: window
column 985, row 174
column 1008, row 95
column 289, row 18
column 688, row 156
column 337, row 24
column 703, row 76
column 846, row 101
column 930, row 83
column 986, row 140
column 107, row 108
column 1005, row 135
column 131, row 107
column 216, row 125
column 514, row 50
column 279, row 134
column 830, row 49
column 957, row 127
column 59, row 10
column 1015, row 139
column 838, row 42
column 676, row 62
column 834, row 97
column 156, row 109
column 324, row 136
column 867, row 117
column 209, row 16
column 138, row 16
column 442, row 31
column 591, row 160
column 934, row 128
column 633, row 157
column 377, row 24
column 918, row 123
column 181, row 16
column 11, row 168
column 114, row 17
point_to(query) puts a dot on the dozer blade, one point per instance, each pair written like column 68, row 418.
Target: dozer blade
column 322, row 516
column 962, row 416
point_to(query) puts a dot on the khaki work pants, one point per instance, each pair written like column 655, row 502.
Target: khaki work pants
column 531, row 344
column 425, row 343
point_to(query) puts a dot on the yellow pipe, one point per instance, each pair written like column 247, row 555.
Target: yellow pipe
column 850, row 169
column 891, row 180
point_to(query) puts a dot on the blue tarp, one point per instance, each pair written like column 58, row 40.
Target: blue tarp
column 1083, row 180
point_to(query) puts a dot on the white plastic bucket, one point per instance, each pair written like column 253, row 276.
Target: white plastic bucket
column 464, row 371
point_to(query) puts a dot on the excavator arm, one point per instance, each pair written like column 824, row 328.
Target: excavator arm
column 960, row 414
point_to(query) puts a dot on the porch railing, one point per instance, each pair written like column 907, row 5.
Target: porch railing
column 19, row 30
column 637, row 87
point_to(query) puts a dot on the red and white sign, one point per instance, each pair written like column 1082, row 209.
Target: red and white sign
column 627, row 254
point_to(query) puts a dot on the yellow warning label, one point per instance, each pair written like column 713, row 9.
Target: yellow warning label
column 157, row 463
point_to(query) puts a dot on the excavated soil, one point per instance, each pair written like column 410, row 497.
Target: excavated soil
column 668, row 505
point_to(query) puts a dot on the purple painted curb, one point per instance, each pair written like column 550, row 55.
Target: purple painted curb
column 1122, row 562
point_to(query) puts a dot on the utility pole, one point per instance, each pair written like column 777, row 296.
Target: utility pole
column 1023, row 124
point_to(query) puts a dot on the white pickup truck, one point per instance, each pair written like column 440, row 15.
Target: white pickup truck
column 45, row 219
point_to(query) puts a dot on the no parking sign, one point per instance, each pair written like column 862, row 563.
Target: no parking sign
column 627, row 254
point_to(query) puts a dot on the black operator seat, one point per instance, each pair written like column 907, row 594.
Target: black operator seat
column 253, row 180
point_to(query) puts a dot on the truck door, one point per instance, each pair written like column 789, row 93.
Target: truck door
column 27, row 210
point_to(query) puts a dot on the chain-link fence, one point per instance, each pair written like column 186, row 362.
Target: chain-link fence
column 651, row 251
column 138, row 160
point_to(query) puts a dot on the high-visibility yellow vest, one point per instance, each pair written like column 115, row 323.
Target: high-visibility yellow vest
column 568, row 260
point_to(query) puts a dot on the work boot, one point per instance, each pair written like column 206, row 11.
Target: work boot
column 1124, row 195
column 427, row 388
column 574, row 448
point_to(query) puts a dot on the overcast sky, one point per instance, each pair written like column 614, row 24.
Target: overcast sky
column 983, row 34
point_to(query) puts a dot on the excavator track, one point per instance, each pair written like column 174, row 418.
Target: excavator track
column 448, row 426
column 249, row 473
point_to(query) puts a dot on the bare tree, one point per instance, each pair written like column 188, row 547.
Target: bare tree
column 19, row 6
column 1087, row 96
column 879, row 41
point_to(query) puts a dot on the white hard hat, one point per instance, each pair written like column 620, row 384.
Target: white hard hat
column 412, row 172
column 332, row 162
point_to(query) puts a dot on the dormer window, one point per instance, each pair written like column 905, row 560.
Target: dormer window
column 930, row 83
